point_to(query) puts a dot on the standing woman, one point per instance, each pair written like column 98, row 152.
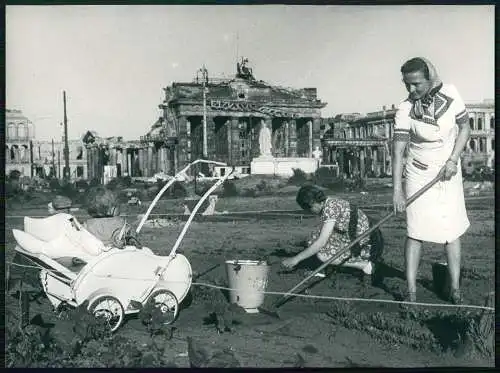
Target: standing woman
column 434, row 123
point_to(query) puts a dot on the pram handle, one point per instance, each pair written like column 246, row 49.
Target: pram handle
column 195, row 209
column 167, row 185
column 165, row 262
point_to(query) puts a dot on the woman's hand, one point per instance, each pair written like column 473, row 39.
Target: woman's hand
column 449, row 169
column 289, row 263
column 398, row 200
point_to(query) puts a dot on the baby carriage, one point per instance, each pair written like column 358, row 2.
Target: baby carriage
column 77, row 267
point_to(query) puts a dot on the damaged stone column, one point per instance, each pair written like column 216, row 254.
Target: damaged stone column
column 362, row 168
column 375, row 161
column 309, row 138
column 189, row 142
column 287, row 138
column 129, row 161
column 210, row 138
column 293, row 138
column 150, row 164
column 182, row 146
column 316, row 133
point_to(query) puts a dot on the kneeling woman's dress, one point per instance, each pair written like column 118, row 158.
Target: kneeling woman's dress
column 350, row 222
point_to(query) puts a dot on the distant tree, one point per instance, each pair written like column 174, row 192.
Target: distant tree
column 14, row 175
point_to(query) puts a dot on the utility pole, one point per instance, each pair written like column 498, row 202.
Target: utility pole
column 204, row 74
column 237, row 46
column 66, row 147
column 54, row 159
column 59, row 164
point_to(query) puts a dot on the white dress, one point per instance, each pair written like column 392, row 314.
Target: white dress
column 438, row 215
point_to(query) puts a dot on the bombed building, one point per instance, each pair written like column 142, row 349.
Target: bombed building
column 361, row 143
column 220, row 119
column 20, row 133
column 48, row 159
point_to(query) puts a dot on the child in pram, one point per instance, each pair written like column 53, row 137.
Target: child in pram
column 105, row 224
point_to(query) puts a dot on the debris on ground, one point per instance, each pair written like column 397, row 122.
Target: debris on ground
column 200, row 357
column 298, row 362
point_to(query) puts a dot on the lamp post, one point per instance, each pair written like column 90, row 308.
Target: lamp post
column 204, row 75
column 66, row 147
column 204, row 82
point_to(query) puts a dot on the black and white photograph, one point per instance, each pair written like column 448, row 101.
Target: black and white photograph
column 249, row 186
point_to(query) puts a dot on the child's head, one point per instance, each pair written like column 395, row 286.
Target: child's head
column 102, row 203
column 59, row 204
column 311, row 198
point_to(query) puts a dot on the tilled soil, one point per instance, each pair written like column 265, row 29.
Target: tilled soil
column 303, row 335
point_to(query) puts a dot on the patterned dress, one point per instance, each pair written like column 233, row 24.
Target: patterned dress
column 350, row 222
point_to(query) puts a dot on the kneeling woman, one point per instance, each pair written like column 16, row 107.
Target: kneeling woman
column 341, row 224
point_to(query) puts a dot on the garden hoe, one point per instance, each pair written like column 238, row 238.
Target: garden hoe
column 289, row 294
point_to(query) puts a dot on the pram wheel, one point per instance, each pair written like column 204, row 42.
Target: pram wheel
column 167, row 303
column 109, row 308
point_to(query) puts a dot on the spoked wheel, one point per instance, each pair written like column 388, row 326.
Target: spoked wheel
column 108, row 308
column 165, row 301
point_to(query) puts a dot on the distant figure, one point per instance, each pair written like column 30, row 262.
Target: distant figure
column 212, row 200
column 210, row 210
column 491, row 159
column 265, row 141
column 317, row 154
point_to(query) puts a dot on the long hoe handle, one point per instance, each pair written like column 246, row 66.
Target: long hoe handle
column 359, row 238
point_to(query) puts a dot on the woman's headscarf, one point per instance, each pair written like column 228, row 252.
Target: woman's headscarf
column 422, row 105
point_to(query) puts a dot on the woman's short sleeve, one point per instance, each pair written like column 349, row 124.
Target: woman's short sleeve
column 458, row 106
column 402, row 122
column 331, row 211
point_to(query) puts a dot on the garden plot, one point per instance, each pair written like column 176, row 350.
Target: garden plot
column 309, row 332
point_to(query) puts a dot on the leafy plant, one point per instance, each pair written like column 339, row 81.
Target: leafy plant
column 86, row 327
column 222, row 314
column 154, row 320
column 410, row 331
column 299, row 177
column 326, row 178
column 179, row 190
column 31, row 346
column 229, row 189
column 14, row 175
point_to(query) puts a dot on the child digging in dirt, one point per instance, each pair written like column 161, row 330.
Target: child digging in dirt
column 342, row 222
column 105, row 224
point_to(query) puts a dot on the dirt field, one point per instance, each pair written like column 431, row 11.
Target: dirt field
column 309, row 332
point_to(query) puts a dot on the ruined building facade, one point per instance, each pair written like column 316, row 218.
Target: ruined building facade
column 481, row 146
column 112, row 157
column 48, row 159
column 361, row 144
column 19, row 134
column 234, row 110
column 358, row 145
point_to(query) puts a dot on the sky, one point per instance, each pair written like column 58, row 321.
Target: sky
column 114, row 61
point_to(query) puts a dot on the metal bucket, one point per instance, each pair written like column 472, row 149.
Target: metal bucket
column 248, row 281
